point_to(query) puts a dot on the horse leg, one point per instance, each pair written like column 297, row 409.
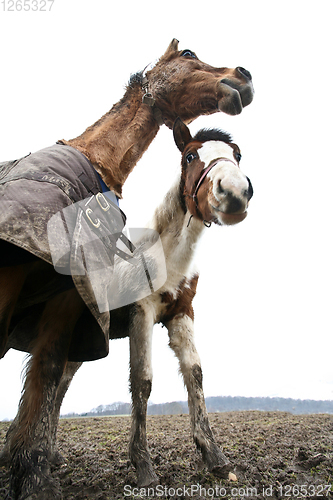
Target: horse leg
column 181, row 341
column 55, row 457
column 67, row 377
column 31, row 441
column 140, row 382
column 5, row 453
column 11, row 283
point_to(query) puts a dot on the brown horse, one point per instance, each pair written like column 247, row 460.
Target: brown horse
column 211, row 189
column 40, row 311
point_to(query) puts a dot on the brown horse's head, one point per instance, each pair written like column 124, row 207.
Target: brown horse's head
column 213, row 188
column 181, row 85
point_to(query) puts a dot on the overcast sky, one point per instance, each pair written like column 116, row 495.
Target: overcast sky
column 263, row 311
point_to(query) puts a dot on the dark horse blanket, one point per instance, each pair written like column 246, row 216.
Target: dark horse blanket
column 32, row 191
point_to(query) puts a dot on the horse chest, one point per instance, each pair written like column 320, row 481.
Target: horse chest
column 178, row 301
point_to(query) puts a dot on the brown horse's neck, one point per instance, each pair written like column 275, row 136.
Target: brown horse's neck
column 116, row 142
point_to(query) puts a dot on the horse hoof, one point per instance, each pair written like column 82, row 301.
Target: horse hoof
column 43, row 496
column 56, row 459
column 222, row 471
column 33, row 482
column 147, row 478
column 48, row 491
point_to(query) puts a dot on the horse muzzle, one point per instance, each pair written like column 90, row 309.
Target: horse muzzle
column 231, row 211
column 232, row 219
column 234, row 93
column 229, row 217
column 231, row 196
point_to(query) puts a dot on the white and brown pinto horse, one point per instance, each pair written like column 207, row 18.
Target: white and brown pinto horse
column 211, row 188
column 179, row 84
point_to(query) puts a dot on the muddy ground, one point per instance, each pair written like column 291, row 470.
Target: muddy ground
column 274, row 455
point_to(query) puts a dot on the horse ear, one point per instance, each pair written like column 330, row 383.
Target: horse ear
column 173, row 47
column 181, row 134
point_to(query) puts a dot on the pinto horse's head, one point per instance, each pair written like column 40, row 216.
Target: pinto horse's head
column 182, row 85
column 212, row 186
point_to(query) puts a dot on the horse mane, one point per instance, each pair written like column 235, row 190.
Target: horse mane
column 212, row 134
column 135, row 79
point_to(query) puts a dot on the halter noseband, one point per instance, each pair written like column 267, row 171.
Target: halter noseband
column 206, row 171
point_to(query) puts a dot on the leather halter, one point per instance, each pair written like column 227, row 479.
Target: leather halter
column 205, row 171
column 194, row 196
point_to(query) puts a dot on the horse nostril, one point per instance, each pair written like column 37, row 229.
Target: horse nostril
column 249, row 191
column 244, row 72
column 220, row 189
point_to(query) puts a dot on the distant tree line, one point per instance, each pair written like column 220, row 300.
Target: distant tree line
column 218, row 404
column 297, row 406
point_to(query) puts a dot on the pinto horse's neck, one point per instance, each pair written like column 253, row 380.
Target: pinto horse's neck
column 179, row 237
column 116, row 142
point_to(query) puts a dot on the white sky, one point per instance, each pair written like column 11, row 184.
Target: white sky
column 264, row 302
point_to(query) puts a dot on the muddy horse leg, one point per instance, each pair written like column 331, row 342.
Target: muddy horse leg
column 141, row 381
column 11, row 283
column 180, row 330
column 55, row 457
column 5, row 452
column 67, row 377
column 31, row 441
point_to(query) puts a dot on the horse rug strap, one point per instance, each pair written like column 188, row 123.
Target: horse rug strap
column 83, row 240
column 106, row 220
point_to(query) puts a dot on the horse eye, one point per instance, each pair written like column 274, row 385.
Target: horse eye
column 188, row 53
column 190, row 157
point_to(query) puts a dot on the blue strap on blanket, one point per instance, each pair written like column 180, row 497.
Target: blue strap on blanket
column 105, row 190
